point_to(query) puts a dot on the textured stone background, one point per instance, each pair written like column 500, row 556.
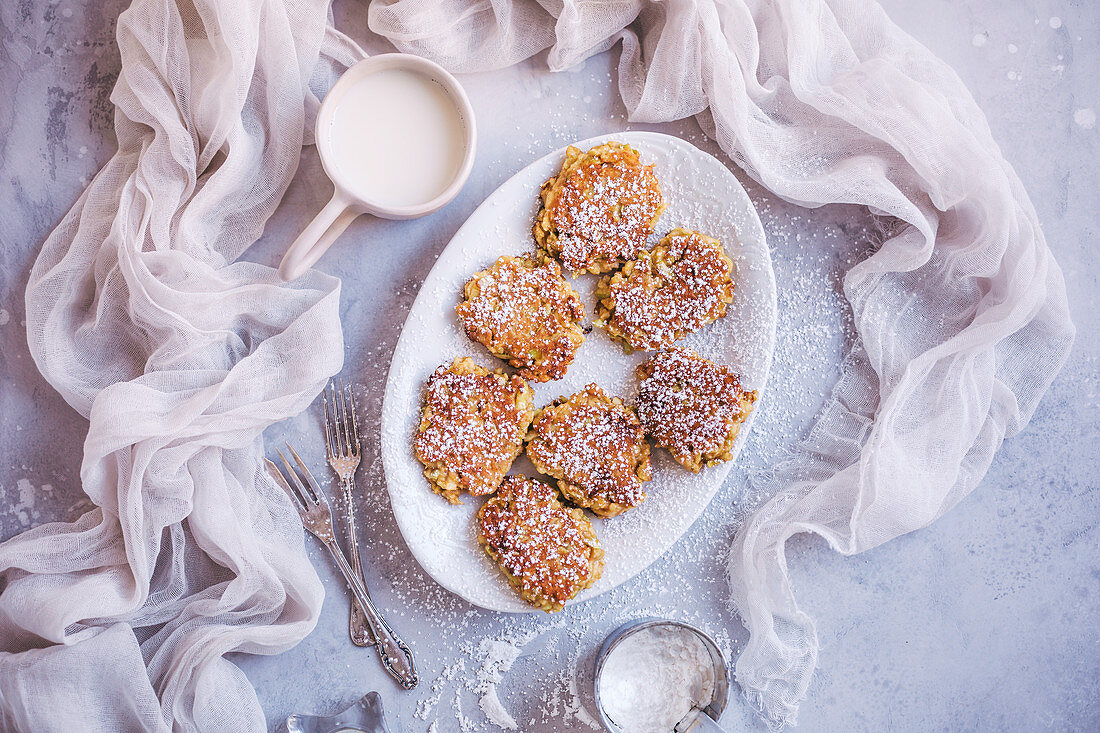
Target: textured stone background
column 987, row 620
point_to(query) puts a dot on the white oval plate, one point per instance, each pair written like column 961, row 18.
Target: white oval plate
column 703, row 195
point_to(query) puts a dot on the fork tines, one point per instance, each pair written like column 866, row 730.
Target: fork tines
column 301, row 488
column 341, row 423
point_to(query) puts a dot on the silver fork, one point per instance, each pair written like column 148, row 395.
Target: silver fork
column 342, row 445
column 313, row 507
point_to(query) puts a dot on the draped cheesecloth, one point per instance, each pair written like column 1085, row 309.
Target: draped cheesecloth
column 179, row 357
column 139, row 316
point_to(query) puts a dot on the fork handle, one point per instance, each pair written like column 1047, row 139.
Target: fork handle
column 395, row 654
column 358, row 628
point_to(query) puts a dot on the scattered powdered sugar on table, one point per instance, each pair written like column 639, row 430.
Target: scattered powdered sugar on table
column 551, row 695
column 21, row 502
column 497, row 657
column 490, row 705
column 465, row 724
column 24, row 509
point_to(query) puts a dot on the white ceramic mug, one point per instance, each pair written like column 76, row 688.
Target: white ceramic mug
column 347, row 202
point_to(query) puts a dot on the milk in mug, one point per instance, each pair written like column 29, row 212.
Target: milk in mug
column 397, row 138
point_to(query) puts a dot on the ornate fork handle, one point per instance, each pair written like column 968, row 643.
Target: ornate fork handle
column 360, row 630
column 395, row 654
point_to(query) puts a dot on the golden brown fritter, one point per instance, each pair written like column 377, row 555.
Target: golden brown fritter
column 692, row 406
column 548, row 552
column 594, row 445
column 472, row 427
column 523, row 311
column 682, row 284
column 599, row 209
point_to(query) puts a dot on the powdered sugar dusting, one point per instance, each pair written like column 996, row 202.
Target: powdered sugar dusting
column 525, row 312
column 691, row 406
column 589, row 221
column 494, row 710
column 595, row 445
column 472, row 427
column 603, row 208
column 548, row 549
column 23, row 504
column 683, row 283
column 497, row 657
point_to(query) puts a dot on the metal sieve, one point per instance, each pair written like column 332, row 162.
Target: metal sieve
column 718, row 702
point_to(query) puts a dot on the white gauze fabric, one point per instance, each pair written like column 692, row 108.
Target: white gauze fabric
column 961, row 312
column 179, row 357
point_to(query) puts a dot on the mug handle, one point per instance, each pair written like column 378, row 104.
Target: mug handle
column 317, row 237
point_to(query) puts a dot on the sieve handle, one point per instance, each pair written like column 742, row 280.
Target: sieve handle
column 698, row 721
